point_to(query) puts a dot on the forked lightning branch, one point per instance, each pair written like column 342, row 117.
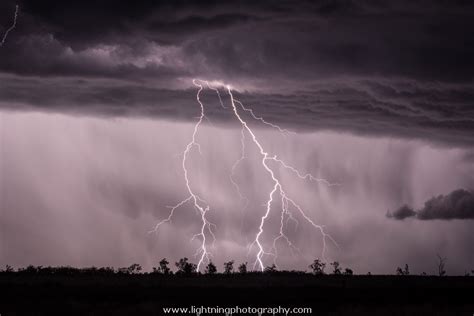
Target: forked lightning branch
column 289, row 206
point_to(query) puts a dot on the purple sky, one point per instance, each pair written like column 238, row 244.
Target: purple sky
column 97, row 104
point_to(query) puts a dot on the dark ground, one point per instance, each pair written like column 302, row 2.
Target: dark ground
column 147, row 294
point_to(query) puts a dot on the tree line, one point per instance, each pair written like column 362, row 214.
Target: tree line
column 185, row 267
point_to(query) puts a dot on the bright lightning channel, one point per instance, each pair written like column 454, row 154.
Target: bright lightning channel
column 199, row 204
column 288, row 205
column 277, row 187
column 4, row 38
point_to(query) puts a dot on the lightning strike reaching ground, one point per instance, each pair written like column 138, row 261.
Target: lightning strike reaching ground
column 277, row 187
column 4, row 38
column 288, row 205
column 282, row 235
column 199, row 204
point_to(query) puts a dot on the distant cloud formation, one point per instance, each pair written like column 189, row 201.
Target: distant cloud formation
column 402, row 69
column 402, row 213
column 458, row 204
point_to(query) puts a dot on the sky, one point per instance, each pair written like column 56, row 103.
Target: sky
column 97, row 106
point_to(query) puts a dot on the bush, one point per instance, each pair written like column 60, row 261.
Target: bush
column 229, row 267
column 318, row 267
column 243, row 268
column 211, row 268
column 185, row 267
column 336, row 268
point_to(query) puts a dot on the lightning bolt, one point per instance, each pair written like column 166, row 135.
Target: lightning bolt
column 276, row 189
column 282, row 130
column 217, row 92
column 282, row 235
column 198, row 203
column 242, row 198
column 288, row 205
column 4, row 38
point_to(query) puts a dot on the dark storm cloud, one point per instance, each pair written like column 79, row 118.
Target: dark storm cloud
column 378, row 106
column 458, row 204
column 44, row 55
column 83, row 23
column 403, row 212
column 403, row 69
column 437, row 112
column 305, row 39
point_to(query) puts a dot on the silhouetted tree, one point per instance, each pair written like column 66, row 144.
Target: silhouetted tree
column 163, row 268
column 441, row 265
column 243, row 268
column 211, row 268
column 348, row 271
column 336, row 269
column 106, row 270
column 405, row 271
column 185, row 267
column 229, row 267
column 135, row 268
column 318, row 267
column 8, row 269
column 132, row 269
column 271, row 269
column 122, row 270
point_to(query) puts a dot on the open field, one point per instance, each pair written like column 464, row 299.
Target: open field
column 147, row 294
